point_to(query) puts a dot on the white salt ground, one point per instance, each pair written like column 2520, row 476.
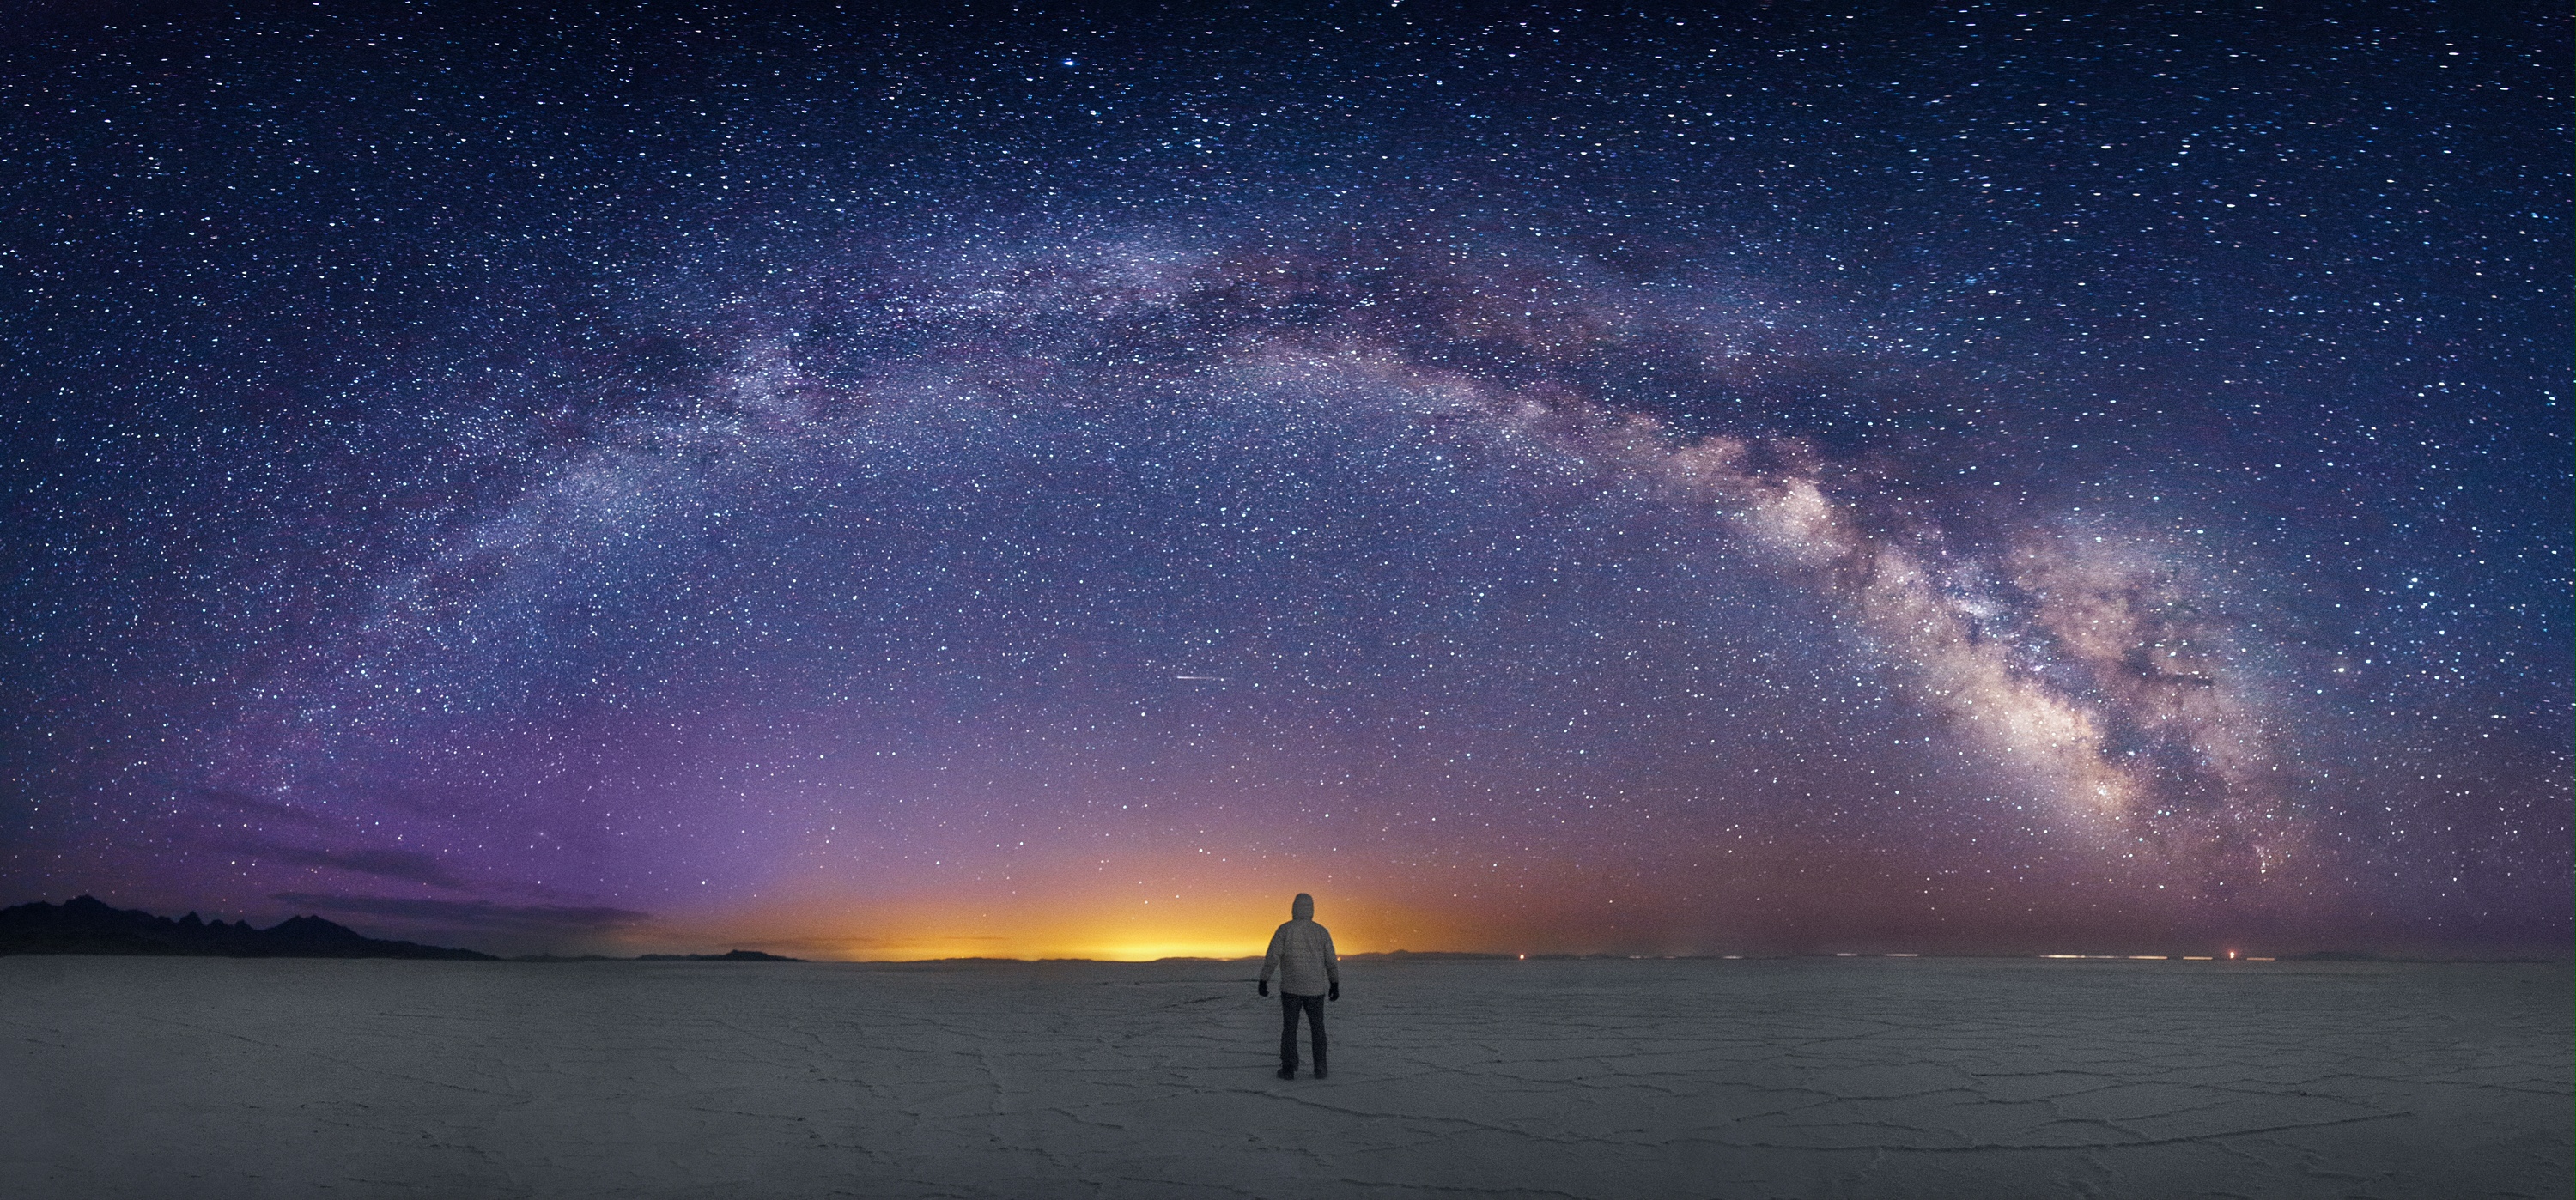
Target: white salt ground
column 212, row 1079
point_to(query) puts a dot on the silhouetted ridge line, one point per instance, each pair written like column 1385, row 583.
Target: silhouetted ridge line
column 727, row 956
column 1423, row 956
column 86, row 925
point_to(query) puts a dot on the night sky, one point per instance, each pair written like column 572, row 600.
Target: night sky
column 1636, row 480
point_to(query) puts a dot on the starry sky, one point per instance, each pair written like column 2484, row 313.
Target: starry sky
column 889, row 483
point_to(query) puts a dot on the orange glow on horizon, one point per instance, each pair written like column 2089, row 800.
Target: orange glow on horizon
column 1171, row 918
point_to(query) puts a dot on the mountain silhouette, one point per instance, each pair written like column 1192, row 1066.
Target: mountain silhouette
column 86, row 925
column 727, row 956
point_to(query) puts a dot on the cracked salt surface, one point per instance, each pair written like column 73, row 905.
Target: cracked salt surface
column 209, row 1078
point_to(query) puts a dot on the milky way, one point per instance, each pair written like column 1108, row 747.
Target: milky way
column 1982, row 479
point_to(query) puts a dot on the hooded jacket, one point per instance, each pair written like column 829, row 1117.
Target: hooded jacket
column 1301, row 955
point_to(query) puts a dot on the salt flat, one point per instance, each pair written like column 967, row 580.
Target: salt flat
column 215, row 1078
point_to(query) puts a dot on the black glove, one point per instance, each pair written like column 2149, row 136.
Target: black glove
column 1262, row 987
column 1336, row 993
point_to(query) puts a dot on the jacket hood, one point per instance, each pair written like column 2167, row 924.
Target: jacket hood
column 1303, row 908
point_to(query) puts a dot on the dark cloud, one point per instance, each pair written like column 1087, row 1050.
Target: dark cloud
column 266, row 808
column 412, row 866
column 479, row 913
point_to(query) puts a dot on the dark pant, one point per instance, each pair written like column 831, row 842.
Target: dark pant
column 1289, row 1007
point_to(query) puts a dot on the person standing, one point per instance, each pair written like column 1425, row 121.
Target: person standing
column 1301, row 955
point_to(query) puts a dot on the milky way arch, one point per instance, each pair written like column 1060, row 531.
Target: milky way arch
column 2083, row 664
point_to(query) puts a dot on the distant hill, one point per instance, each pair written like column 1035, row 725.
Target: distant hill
column 727, row 956
column 1427, row 956
column 86, row 925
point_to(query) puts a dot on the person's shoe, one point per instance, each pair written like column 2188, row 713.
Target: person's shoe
column 1320, row 1072
column 1287, row 1072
